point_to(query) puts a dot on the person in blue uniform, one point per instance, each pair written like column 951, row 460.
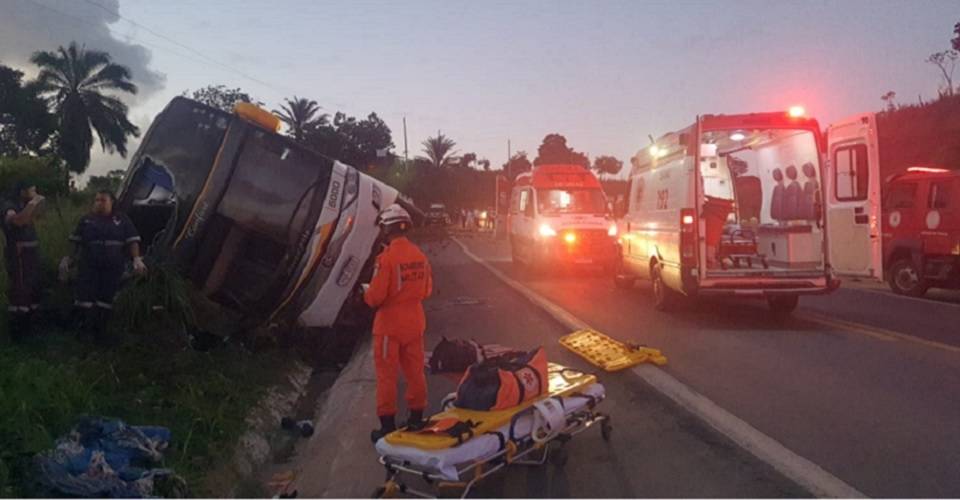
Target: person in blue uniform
column 22, row 259
column 103, row 240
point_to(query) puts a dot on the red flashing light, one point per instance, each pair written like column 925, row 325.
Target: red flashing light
column 928, row 170
column 796, row 112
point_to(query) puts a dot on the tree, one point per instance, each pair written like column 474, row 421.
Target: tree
column 360, row 143
column 889, row 100
column 485, row 164
column 955, row 42
column 439, row 150
column 26, row 124
column 110, row 182
column 467, row 160
column 300, row 114
column 517, row 165
column 220, row 97
column 554, row 151
column 82, row 84
column 946, row 62
column 607, row 165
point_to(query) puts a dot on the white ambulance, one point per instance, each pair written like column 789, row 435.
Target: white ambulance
column 559, row 215
column 730, row 206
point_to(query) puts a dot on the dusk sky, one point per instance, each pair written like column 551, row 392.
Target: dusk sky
column 604, row 74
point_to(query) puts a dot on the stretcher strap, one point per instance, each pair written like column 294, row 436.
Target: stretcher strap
column 501, row 438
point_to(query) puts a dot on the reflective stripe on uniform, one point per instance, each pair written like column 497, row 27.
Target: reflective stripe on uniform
column 386, row 340
column 28, row 244
column 18, row 309
column 132, row 239
column 104, row 305
column 83, row 304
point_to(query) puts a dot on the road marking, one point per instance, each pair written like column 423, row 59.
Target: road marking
column 807, row 474
column 872, row 331
column 862, row 286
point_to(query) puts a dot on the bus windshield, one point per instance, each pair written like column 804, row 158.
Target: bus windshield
column 571, row 201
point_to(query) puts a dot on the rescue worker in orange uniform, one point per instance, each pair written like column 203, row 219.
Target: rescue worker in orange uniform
column 401, row 281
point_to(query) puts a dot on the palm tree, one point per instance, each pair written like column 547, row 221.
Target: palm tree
column 439, row 150
column 77, row 82
column 300, row 115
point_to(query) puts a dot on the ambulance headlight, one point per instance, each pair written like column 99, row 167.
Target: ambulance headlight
column 546, row 231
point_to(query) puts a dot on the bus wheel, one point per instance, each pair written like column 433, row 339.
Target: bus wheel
column 906, row 279
column 783, row 305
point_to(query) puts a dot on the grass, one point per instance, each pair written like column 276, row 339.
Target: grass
column 152, row 377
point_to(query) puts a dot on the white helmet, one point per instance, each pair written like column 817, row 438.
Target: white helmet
column 395, row 214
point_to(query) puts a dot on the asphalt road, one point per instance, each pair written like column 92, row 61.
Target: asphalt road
column 657, row 450
column 863, row 384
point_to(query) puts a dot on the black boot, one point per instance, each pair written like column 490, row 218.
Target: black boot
column 387, row 425
column 415, row 421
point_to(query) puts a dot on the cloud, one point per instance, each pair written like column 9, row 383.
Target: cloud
column 27, row 26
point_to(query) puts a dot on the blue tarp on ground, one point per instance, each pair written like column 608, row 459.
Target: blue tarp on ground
column 103, row 457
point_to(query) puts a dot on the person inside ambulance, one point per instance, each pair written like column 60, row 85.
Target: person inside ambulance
column 22, row 259
column 401, row 281
column 100, row 239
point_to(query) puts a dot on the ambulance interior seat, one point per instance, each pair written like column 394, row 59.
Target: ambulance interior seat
column 791, row 195
column 776, row 200
column 811, row 191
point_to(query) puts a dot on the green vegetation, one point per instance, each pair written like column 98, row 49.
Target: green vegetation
column 153, row 377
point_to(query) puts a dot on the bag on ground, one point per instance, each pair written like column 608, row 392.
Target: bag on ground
column 454, row 355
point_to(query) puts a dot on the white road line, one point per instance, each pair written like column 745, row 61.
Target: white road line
column 860, row 287
column 807, row 474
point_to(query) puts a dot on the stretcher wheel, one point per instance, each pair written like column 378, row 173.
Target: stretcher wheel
column 606, row 429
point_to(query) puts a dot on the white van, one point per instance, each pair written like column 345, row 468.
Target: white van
column 730, row 205
column 558, row 214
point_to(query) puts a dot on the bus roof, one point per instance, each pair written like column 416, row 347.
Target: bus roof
column 559, row 176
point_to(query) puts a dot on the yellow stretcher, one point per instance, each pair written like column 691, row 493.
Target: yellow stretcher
column 608, row 353
column 563, row 381
column 523, row 435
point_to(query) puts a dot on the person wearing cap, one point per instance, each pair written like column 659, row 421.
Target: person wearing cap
column 401, row 281
column 100, row 239
column 22, row 256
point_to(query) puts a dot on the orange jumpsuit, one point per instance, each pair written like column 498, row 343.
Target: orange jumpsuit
column 401, row 282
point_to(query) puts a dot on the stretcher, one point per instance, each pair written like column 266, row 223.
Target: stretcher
column 529, row 434
column 608, row 353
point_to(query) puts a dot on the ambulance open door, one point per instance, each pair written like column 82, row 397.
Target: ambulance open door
column 852, row 194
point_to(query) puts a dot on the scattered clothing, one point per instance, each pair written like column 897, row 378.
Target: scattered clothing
column 103, row 457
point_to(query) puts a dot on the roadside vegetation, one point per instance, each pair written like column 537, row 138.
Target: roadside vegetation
column 153, row 377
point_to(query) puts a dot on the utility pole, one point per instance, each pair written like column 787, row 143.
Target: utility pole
column 509, row 153
column 404, row 142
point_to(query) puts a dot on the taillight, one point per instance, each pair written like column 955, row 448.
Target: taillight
column 688, row 237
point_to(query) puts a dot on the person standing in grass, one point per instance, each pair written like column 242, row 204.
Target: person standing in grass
column 22, row 256
column 100, row 238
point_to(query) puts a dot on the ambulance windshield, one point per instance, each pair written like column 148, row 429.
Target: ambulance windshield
column 571, row 201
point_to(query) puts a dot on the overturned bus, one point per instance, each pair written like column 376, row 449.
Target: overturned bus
column 258, row 223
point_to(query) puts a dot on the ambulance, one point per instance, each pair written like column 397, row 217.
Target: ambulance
column 559, row 215
column 732, row 206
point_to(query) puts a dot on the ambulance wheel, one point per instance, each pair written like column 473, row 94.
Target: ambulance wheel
column 906, row 279
column 606, row 429
column 664, row 299
column 783, row 305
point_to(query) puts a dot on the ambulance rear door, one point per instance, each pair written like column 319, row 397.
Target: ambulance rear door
column 853, row 199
